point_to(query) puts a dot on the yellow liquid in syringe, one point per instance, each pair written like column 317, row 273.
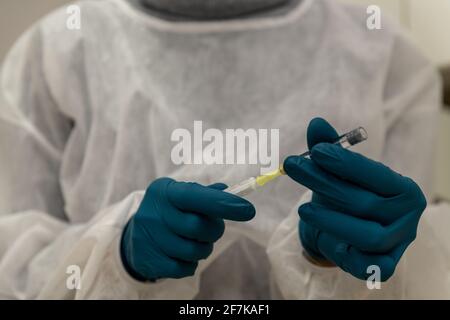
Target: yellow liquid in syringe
column 265, row 178
column 249, row 185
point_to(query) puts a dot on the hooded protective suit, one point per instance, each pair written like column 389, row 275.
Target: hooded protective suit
column 213, row 9
column 86, row 118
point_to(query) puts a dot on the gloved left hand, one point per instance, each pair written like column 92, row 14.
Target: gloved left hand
column 176, row 226
column 362, row 213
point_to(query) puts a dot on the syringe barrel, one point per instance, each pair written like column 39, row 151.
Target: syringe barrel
column 347, row 140
column 243, row 188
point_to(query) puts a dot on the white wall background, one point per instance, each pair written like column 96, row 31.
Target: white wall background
column 427, row 20
column 17, row 15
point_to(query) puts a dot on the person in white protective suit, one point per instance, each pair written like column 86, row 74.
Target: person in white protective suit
column 86, row 118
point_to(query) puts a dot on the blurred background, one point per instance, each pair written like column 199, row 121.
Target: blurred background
column 428, row 21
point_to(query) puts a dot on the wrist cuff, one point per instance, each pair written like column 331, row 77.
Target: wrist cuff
column 126, row 266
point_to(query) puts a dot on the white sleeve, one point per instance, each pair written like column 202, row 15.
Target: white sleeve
column 293, row 276
column 38, row 243
column 410, row 103
column 428, row 259
column 412, row 99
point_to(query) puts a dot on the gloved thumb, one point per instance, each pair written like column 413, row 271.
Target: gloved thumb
column 218, row 186
column 319, row 130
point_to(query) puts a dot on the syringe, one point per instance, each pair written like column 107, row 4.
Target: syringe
column 251, row 184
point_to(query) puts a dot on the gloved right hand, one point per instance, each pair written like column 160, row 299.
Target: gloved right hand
column 175, row 226
column 362, row 214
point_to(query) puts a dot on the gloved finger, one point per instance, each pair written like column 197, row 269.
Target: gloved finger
column 363, row 234
column 354, row 167
column 168, row 242
column 194, row 226
column 185, row 249
column 193, row 197
column 319, row 130
column 341, row 194
column 218, row 186
column 362, row 265
column 310, row 175
column 178, row 269
column 356, row 262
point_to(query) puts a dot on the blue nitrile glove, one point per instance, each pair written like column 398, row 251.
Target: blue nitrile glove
column 362, row 213
column 176, row 225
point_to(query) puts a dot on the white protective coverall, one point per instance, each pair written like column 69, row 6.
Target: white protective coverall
column 86, row 118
